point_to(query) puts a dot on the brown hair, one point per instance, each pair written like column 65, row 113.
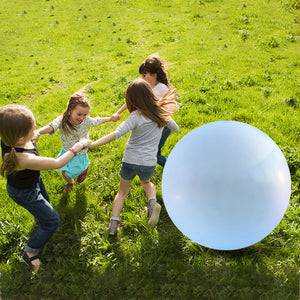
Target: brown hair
column 76, row 99
column 139, row 96
column 16, row 121
column 153, row 64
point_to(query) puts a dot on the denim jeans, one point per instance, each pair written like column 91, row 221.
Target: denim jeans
column 36, row 201
column 161, row 160
column 129, row 171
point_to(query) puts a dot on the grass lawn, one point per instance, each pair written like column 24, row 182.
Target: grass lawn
column 229, row 60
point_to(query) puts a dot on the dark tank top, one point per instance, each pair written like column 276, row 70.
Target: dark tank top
column 24, row 179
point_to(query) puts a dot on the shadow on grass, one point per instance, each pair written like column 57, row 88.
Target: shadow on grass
column 166, row 271
column 158, row 263
column 169, row 266
column 59, row 255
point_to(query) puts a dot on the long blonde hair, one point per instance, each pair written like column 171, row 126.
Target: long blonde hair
column 76, row 99
column 139, row 96
column 16, row 121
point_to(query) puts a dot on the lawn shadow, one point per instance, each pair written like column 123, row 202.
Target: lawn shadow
column 164, row 264
column 63, row 250
column 169, row 265
column 60, row 251
column 176, row 265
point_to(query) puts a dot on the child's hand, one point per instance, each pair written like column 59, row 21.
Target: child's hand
column 85, row 142
column 36, row 136
column 115, row 117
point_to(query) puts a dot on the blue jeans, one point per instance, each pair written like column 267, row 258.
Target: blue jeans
column 36, row 201
column 161, row 160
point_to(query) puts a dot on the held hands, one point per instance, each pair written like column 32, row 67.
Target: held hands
column 115, row 117
column 102, row 141
column 83, row 143
column 36, row 136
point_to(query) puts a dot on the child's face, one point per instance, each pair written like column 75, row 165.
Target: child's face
column 78, row 114
column 150, row 78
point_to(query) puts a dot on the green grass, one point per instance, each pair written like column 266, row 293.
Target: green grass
column 229, row 60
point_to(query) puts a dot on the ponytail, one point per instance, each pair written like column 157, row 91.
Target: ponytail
column 10, row 163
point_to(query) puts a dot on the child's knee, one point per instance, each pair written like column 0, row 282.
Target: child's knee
column 121, row 194
column 147, row 182
column 65, row 175
column 51, row 224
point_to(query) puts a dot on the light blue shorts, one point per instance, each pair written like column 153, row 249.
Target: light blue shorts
column 76, row 165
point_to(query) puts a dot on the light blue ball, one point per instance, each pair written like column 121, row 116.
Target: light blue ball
column 226, row 185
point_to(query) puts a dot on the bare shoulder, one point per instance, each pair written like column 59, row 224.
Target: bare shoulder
column 25, row 160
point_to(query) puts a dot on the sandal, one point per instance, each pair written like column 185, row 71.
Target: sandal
column 28, row 261
column 82, row 176
column 68, row 187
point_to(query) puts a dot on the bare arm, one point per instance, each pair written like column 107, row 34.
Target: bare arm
column 33, row 162
column 44, row 130
column 124, row 107
column 104, row 140
column 108, row 119
column 117, row 116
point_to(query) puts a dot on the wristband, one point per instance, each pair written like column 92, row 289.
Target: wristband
column 74, row 152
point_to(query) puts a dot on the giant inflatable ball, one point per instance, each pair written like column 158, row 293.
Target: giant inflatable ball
column 226, row 185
